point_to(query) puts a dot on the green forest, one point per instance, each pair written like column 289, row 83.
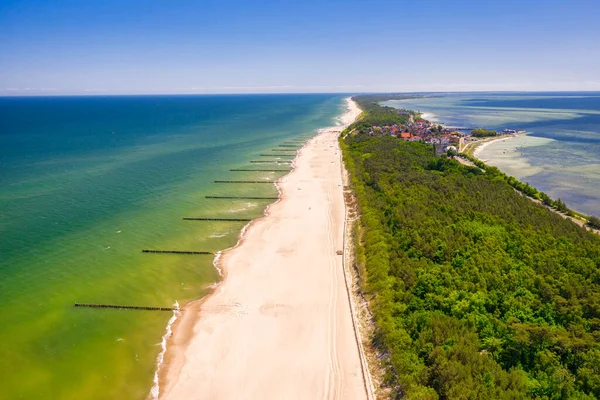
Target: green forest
column 377, row 115
column 476, row 291
column 480, row 132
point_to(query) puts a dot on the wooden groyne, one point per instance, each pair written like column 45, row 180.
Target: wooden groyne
column 176, row 252
column 245, row 181
column 217, row 219
column 241, row 198
column 277, row 155
column 125, row 307
column 289, row 145
column 283, row 150
column 260, row 170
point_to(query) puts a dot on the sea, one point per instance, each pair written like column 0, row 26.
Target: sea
column 87, row 183
column 559, row 154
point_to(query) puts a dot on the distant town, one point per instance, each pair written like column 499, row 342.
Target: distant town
column 444, row 138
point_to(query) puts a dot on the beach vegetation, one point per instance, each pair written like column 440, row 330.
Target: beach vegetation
column 476, row 291
column 376, row 114
column 480, row 132
column 593, row 222
column 561, row 206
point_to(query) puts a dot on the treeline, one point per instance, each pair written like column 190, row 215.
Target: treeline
column 528, row 190
column 480, row 132
column 477, row 292
column 376, row 115
column 593, row 222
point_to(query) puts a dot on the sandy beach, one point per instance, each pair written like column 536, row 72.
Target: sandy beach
column 480, row 146
column 429, row 116
column 279, row 326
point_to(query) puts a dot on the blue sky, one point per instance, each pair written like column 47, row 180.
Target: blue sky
column 227, row 46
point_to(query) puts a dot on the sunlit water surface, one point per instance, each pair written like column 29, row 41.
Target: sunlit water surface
column 86, row 183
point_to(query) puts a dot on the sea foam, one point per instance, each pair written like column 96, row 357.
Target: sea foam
column 155, row 390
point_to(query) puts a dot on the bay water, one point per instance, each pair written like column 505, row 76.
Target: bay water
column 559, row 154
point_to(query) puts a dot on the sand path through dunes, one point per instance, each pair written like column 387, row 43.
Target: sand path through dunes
column 280, row 325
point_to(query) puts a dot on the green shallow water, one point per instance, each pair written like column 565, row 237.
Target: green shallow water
column 78, row 203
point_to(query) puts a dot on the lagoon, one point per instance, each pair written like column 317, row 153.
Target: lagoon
column 560, row 154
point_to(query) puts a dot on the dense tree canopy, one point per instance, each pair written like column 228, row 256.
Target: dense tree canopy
column 480, row 132
column 594, row 222
column 477, row 292
column 375, row 114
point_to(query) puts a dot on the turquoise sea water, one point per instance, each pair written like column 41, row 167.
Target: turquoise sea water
column 86, row 183
column 560, row 154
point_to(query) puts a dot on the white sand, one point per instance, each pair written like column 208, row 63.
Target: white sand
column 279, row 326
column 483, row 145
column 429, row 116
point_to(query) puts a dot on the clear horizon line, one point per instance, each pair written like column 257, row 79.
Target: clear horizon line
column 287, row 93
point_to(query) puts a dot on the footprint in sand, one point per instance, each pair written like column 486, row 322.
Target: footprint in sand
column 286, row 251
column 276, row 310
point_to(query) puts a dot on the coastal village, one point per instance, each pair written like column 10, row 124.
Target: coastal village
column 421, row 130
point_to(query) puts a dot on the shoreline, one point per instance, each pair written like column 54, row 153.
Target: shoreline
column 478, row 149
column 479, row 145
column 577, row 219
column 184, row 328
column 179, row 333
column 429, row 116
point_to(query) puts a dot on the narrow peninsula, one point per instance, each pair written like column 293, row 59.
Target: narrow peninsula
column 474, row 290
